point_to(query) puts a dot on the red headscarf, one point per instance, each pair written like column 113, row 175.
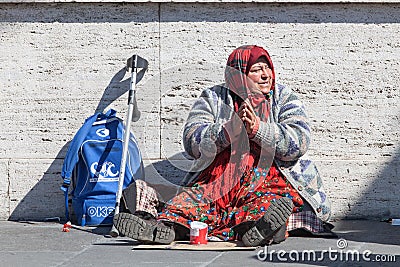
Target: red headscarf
column 236, row 80
column 238, row 66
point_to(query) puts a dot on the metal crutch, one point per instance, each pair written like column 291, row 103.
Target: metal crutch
column 133, row 64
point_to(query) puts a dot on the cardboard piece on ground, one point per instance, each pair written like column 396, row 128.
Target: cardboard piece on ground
column 210, row 246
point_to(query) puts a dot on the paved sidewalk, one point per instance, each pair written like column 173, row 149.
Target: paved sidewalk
column 44, row 244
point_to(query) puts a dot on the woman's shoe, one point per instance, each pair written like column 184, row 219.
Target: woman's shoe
column 267, row 226
column 143, row 230
column 280, row 235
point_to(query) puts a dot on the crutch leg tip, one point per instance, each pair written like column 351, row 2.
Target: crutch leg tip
column 114, row 233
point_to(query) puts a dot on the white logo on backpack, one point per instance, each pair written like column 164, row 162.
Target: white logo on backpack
column 106, row 173
column 100, row 211
column 103, row 132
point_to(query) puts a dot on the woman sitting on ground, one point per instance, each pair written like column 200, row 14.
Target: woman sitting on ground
column 249, row 137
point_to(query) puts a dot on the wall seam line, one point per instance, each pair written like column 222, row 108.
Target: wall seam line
column 160, row 81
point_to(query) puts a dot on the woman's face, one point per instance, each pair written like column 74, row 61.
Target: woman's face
column 261, row 75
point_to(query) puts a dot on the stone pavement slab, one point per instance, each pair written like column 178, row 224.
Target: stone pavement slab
column 360, row 243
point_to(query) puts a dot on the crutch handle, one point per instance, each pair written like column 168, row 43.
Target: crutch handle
column 132, row 65
column 139, row 63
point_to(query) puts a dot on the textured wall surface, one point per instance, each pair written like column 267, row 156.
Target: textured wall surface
column 59, row 63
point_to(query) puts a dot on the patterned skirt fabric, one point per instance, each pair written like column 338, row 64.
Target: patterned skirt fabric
column 246, row 202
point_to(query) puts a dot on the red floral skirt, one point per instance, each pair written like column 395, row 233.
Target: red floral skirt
column 245, row 202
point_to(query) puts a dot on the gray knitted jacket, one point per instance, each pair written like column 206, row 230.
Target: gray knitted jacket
column 287, row 131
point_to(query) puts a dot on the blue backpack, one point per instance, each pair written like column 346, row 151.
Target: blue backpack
column 92, row 165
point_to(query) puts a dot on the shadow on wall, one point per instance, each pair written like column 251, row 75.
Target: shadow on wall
column 45, row 200
column 199, row 12
column 381, row 198
column 382, row 192
column 166, row 177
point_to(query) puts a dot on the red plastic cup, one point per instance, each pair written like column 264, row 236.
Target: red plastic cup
column 198, row 233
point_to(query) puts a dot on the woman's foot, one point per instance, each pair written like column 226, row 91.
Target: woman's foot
column 267, row 226
column 143, row 230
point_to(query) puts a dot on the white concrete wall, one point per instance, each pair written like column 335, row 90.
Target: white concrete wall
column 60, row 62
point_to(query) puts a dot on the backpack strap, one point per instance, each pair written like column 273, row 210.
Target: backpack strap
column 72, row 156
